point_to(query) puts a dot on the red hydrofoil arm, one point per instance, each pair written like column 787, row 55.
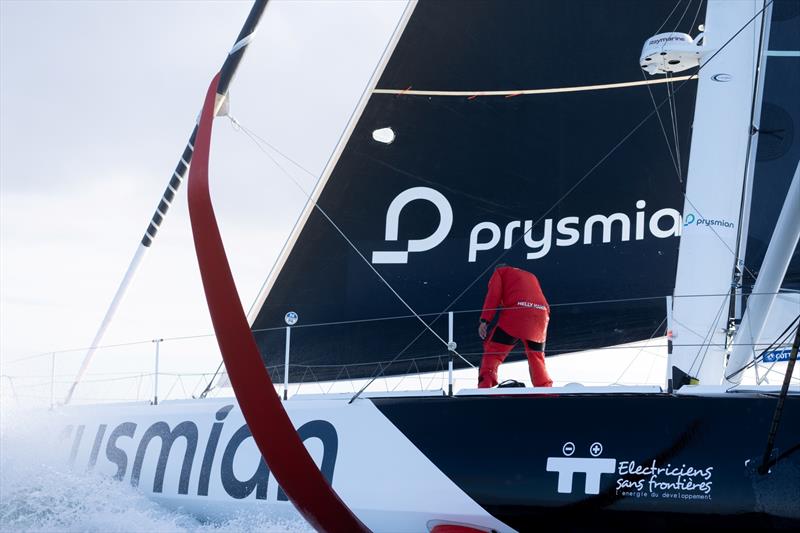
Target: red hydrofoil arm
column 276, row 437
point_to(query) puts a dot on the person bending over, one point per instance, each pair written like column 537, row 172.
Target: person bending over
column 524, row 315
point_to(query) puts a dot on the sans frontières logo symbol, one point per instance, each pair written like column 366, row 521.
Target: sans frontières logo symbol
column 593, row 467
column 414, row 245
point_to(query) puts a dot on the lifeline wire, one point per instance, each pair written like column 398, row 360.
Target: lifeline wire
column 343, row 322
column 781, row 339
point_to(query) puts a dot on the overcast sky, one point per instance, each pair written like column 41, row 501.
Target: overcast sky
column 96, row 103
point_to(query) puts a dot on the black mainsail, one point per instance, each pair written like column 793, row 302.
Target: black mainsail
column 544, row 175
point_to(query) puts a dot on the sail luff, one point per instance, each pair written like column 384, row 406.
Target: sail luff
column 331, row 164
column 736, row 304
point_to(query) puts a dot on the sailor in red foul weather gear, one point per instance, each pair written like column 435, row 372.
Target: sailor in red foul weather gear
column 524, row 315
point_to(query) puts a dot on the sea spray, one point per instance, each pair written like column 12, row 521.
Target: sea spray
column 36, row 495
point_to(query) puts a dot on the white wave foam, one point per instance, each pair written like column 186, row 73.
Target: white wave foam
column 36, row 497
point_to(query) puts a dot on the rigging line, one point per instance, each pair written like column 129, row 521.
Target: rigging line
column 673, row 111
column 771, row 370
column 349, row 242
column 669, row 16
column 209, row 387
column 683, row 193
column 396, row 317
column 696, row 14
column 687, row 328
column 776, row 418
column 781, row 339
column 719, row 237
column 663, row 130
column 709, row 335
column 521, row 92
column 688, row 4
column 760, row 357
column 641, row 349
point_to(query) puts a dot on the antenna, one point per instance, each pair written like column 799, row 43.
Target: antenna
column 226, row 76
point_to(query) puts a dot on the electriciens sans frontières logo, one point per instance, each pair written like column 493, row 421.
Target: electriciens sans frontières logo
column 649, row 479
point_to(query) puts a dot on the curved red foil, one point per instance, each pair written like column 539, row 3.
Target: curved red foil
column 276, row 437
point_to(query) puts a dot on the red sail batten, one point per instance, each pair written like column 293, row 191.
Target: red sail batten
column 276, row 437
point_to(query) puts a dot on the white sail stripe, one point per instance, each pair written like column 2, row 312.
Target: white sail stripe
column 520, row 92
column 160, row 212
column 184, row 162
column 191, row 146
column 241, row 44
column 174, row 191
column 179, row 176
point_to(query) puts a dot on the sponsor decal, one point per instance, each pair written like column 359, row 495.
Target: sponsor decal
column 414, row 245
column 652, row 480
column 531, row 305
column 291, row 318
column 722, row 77
column 692, row 220
column 778, row 355
column 238, row 482
column 488, row 235
column 663, row 40
column 592, row 467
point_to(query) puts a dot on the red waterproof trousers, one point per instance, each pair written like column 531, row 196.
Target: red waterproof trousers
column 494, row 353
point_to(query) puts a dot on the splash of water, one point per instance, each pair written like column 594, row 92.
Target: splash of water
column 37, row 497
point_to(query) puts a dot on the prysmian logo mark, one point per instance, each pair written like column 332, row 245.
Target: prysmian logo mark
column 692, row 220
column 414, row 245
column 722, row 77
column 568, row 231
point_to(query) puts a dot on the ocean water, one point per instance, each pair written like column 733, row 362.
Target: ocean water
column 38, row 497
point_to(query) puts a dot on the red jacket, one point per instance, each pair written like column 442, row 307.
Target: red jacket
column 524, row 312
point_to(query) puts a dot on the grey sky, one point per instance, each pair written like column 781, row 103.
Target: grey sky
column 96, row 102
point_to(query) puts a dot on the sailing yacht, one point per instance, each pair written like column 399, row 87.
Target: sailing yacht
column 652, row 199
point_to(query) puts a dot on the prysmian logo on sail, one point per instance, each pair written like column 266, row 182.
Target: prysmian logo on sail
column 567, row 231
column 692, row 220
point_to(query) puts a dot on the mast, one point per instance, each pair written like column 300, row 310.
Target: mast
column 717, row 167
column 735, row 305
column 227, row 72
